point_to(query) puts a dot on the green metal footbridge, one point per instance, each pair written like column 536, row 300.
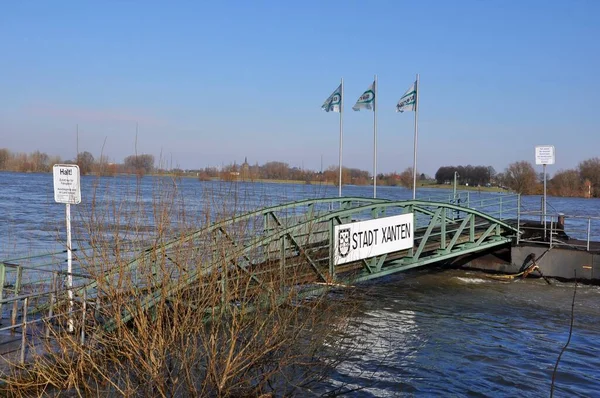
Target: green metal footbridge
column 294, row 240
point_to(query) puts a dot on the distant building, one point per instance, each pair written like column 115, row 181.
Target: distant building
column 245, row 169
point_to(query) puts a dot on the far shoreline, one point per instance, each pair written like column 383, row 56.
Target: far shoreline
column 429, row 184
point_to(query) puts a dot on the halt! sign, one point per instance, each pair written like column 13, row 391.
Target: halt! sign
column 66, row 184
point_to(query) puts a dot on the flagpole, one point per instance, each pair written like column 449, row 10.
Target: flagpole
column 375, row 137
column 341, row 133
column 416, row 138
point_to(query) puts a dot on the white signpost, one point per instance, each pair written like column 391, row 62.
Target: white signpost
column 364, row 239
column 544, row 155
column 67, row 190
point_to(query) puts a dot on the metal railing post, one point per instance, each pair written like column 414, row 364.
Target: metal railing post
column 551, row 223
column 24, row 331
column 2, row 280
column 84, row 308
column 52, row 300
column 223, row 286
column 265, row 222
column 518, row 218
column 282, row 265
column 443, row 231
column 500, row 215
column 15, row 309
column 541, row 210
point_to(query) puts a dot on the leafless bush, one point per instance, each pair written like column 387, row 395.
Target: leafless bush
column 183, row 318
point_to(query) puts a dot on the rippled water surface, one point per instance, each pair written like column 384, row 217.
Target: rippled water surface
column 430, row 332
column 440, row 332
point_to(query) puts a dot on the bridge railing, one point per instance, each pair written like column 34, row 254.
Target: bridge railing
column 464, row 197
column 31, row 289
column 502, row 207
column 35, row 273
column 561, row 230
column 286, row 236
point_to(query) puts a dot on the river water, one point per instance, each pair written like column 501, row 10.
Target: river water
column 428, row 332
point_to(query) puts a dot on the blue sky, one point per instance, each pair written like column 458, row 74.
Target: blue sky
column 210, row 83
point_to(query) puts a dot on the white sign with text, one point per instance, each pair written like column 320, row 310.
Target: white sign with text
column 363, row 239
column 544, row 154
column 66, row 184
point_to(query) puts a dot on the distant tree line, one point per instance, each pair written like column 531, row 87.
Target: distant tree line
column 40, row 162
column 277, row 170
column 36, row 162
column 471, row 175
column 519, row 176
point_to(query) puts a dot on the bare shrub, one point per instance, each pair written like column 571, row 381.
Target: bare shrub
column 184, row 317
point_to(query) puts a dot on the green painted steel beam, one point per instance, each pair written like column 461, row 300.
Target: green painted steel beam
column 487, row 232
column 425, row 237
column 345, row 202
column 457, row 234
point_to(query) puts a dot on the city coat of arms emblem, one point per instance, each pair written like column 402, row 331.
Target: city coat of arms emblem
column 344, row 242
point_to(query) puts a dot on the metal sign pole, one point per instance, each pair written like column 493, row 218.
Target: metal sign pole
column 69, row 267
column 67, row 190
column 544, row 155
column 544, row 204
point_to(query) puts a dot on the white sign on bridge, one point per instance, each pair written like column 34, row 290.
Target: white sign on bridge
column 66, row 184
column 364, row 239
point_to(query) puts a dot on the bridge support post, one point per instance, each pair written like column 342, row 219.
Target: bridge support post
column 53, row 294
column 443, row 231
column 331, row 250
column 17, row 290
column 2, row 281
column 282, row 260
column 410, row 209
column 24, row 331
column 266, row 223
column 223, row 288
column 472, row 228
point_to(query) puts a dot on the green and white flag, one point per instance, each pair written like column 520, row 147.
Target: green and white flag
column 366, row 100
column 334, row 102
column 408, row 102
